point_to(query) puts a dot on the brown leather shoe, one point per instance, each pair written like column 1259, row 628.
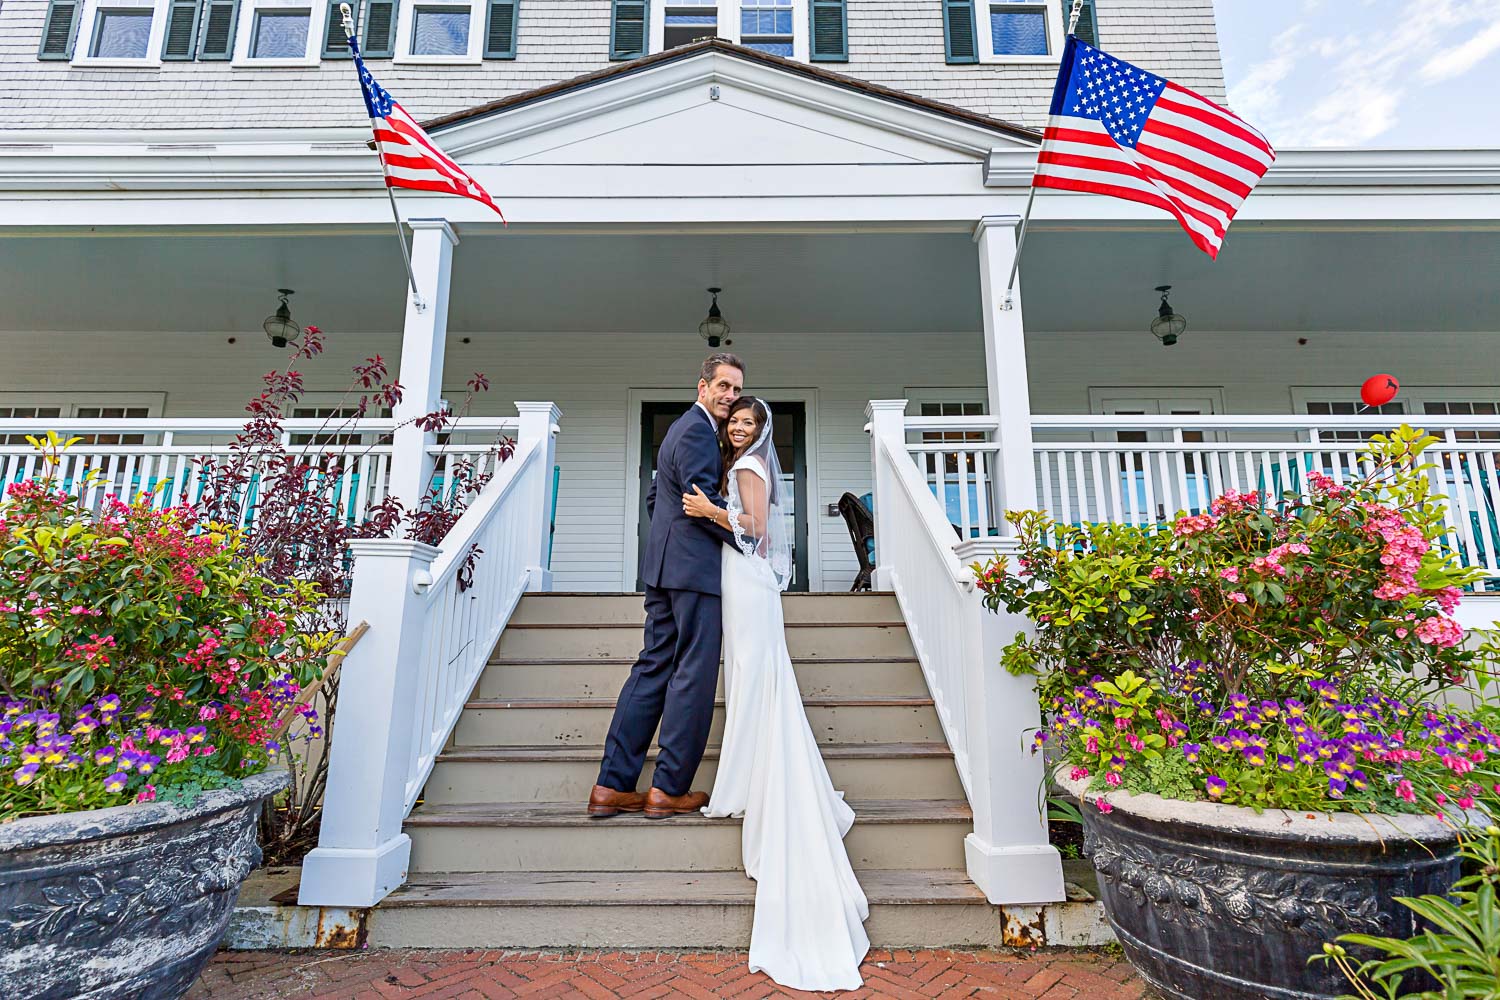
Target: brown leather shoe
column 660, row 805
column 606, row 802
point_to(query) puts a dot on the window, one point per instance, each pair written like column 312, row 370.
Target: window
column 112, row 413
column 26, row 413
column 45, row 407
column 1350, row 408
column 280, row 34
column 1018, row 28
column 684, row 23
column 122, row 33
column 1465, row 408
column 440, row 31
column 766, row 25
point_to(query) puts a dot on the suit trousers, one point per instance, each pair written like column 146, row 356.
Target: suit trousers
column 672, row 683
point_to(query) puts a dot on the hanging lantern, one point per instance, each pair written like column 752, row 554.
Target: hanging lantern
column 1167, row 326
column 280, row 326
column 715, row 328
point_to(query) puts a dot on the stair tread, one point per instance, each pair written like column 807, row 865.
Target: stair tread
column 571, row 814
column 638, row 888
column 576, row 752
column 892, row 701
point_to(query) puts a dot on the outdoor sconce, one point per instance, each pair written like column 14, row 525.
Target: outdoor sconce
column 280, row 327
column 1167, row 326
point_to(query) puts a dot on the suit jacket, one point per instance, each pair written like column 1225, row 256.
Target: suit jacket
column 683, row 553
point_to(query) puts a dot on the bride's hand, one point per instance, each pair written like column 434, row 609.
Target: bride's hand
column 695, row 504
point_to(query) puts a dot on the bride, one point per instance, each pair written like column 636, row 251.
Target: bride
column 809, row 931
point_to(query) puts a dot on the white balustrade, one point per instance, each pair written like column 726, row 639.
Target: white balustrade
column 1086, row 474
column 986, row 714
column 434, row 619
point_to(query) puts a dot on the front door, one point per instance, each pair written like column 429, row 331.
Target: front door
column 791, row 451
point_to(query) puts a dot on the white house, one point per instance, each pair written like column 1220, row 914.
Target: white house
column 849, row 172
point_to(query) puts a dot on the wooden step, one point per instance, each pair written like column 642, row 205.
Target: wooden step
column 568, row 721
column 805, row 641
column 922, row 770
column 596, row 609
column 875, row 677
column 560, row 836
column 646, row 909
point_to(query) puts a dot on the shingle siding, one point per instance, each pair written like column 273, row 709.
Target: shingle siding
column 897, row 43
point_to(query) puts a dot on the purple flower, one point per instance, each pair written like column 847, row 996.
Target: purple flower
column 1254, row 756
column 1222, row 743
column 1216, row 786
column 1191, row 751
column 26, row 773
column 1336, row 787
column 1286, row 763
column 115, row 782
column 1358, row 780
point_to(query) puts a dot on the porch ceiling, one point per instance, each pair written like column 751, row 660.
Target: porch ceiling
column 1073, row 280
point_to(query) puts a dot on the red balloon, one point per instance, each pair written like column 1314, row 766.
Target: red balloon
column 1379, row 390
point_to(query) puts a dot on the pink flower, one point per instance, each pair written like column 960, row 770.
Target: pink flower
column 1092, row 744
column 1440, row 631
column 1158, row 572
column 147, row 794
column 1112, row 779
column 1405, row 791
column 1231, row 573
column 1237, row 597
column 1104, row 806
column 1078, row 773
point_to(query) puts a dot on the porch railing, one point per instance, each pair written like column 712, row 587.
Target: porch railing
column 166, row 459
column 435, row 615
column 1086, row 474
column 921, row 480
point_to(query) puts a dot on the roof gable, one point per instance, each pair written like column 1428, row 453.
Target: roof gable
column 713, row 102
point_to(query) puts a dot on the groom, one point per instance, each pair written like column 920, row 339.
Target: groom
column 674, row 679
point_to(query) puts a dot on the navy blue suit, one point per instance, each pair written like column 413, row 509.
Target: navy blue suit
column 674, row 678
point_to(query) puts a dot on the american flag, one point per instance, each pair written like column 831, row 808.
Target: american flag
column 1117, row 130
column 411, row 158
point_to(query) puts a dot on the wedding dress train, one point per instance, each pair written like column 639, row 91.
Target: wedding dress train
column 808, row 929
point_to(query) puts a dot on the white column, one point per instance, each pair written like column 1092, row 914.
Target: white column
column 1005, row 363
column 362, row 853
column 887, row 423
column 1008, row 855
column 539, row 423
column 423, row 340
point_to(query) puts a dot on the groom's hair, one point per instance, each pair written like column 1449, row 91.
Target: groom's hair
column 713, row 361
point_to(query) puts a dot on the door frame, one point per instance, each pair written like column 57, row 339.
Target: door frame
column 635, row 397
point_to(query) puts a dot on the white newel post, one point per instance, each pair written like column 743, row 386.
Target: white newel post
column 1005, row 364
column 539, row 424
column 423, row 340
column 887, row 423
column 362, row 853
column 1008, row 854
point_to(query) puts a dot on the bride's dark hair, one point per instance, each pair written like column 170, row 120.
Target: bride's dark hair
column 726, row 450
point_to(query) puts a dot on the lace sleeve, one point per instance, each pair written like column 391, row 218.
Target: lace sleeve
column 749, row 501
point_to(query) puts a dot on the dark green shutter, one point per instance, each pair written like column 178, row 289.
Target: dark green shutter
column 181, row 38
column 500, row 29
column 335, row 42
column 380, row 29
column 958, row 31
column 627, row 29
column 1088, row 25
column 216, row 40
column 830, row 31
column 60, row 30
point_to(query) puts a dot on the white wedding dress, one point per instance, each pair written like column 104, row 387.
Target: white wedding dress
column 809, row 909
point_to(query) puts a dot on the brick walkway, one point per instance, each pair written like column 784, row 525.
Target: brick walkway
column 490, row 975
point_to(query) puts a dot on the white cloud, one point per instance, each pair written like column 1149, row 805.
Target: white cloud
column 1364, row 67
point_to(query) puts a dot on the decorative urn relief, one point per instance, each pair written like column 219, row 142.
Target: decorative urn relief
column 129, row 901
column 1219, row 901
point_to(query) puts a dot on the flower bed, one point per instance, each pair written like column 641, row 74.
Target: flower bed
column 1287, row 653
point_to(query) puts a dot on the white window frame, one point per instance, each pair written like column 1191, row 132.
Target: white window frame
column 245, row 32
column 406, row 21
column 1055, row 35
column 69, row 402
column 729, row 24
column 1414, row 396
column 88, row 28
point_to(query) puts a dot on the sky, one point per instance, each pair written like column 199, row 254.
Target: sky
column 1375, row 73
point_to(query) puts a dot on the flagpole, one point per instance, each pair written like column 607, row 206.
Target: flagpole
column 385, row 173
column 1015, row 268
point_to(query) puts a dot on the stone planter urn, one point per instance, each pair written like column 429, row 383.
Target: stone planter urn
column 130, row 901
column 1219, row 901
